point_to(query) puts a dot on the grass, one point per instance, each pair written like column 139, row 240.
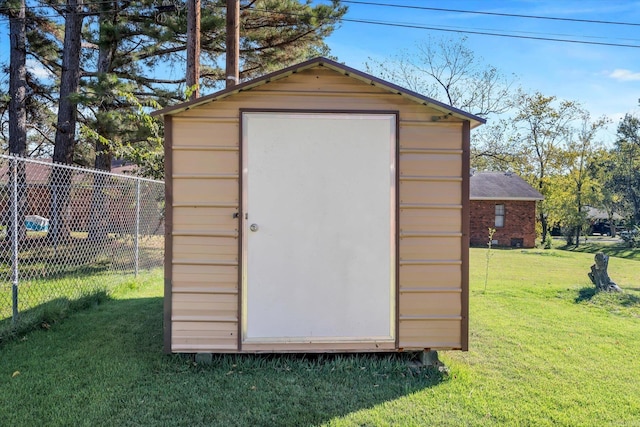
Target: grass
column 57, row 280
column 545, row 350
column 39, row 258
column 612, row 247
column 618, row 250
column 47, row 301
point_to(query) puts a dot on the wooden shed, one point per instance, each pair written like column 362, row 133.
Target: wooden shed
column 316, row 209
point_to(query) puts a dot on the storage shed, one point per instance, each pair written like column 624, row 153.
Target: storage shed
column 316, row 209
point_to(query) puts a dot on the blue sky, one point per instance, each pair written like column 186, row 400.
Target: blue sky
column 604, row 79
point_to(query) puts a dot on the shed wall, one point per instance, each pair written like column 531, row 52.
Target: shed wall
column 205, row 236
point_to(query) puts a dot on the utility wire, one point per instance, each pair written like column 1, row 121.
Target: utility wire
column 515, row 32
column 492, row 33
column 398, row 6
column 485, row 33
column 478, row 12
column 403, row 6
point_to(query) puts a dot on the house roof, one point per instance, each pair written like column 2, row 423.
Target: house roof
column 335, row 66
column 594, row 213
column 38, row 171
column 501, row 186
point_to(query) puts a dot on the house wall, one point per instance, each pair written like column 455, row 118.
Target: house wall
column 519, row 222
column 203, row 172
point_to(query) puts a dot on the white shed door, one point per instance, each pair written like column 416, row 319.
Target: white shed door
column 318, row 227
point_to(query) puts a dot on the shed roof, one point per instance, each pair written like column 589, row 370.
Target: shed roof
column 501, row 186
column 335, row 66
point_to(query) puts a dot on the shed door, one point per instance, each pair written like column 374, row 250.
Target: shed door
column 318, row 227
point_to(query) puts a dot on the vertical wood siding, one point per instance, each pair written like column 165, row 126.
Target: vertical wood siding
column 206, row 194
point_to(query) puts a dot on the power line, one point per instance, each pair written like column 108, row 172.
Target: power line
column 485, row 33
column 477, row 12
column 546, row 34
column 402, row 6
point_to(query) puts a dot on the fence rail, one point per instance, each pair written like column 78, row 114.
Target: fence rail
column 68, row 232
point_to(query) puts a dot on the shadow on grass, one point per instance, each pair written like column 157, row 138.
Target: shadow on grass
column 618, row 250
column 628, row 300
column 46, row 314
column 609, row 300
column 585, row 294
column 542, row 252
column 287, row 389
column 117, row 351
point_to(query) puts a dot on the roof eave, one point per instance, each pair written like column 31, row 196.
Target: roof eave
column 517, row 199
column 341, row 68
column 414, row 96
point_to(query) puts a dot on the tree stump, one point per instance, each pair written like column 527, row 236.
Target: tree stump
column 599, row 275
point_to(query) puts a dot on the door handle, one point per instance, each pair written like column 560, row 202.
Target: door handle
column 253, row 227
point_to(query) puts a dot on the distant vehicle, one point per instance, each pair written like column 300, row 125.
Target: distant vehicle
column 601, row 227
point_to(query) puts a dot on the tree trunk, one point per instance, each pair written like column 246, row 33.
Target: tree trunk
column 579, row 205
column 107, row 46
column 193, row 48
column 636, row 206
column 613, row 229
column 69, row 81
column 60, row 180
column 18, row 107
column 543, row 223
column 600, row 276
column 18, row 82
column 98, row 226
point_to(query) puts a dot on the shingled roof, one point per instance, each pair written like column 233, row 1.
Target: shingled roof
column 501, row 186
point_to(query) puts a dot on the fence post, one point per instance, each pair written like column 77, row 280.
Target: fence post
column 14, row 239
column 137, row 244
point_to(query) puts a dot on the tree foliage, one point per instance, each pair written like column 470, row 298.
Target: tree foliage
column 542, row 129
column 575, row 187
column 133, row 55
column 625, row 167
column 554, row 145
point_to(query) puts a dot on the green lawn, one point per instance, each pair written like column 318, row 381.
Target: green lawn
column 544, row 351
column 57, row 280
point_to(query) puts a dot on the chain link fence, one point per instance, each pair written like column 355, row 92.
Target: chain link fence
column 68, row 233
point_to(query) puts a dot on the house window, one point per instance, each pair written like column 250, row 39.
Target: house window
column 499, row 215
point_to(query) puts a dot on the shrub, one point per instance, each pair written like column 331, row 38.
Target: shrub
column 631, row 237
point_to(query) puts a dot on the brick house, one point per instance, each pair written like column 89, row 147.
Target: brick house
column 506, row 202
column 117, row 210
